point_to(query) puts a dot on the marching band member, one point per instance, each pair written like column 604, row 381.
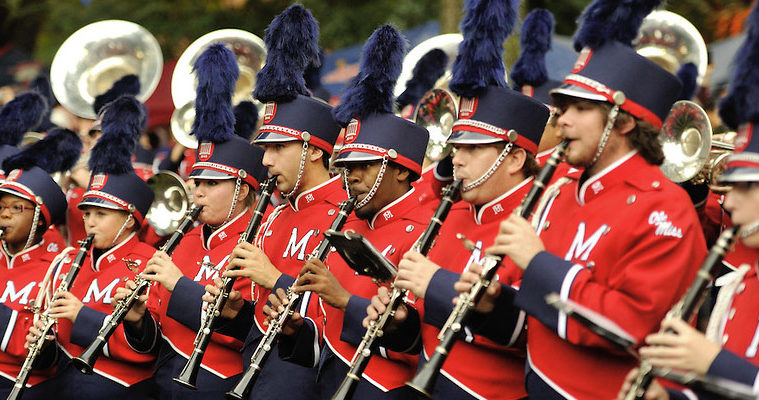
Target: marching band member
column 729, row 347
column 485, row 152
column 298, row 135
column 114, row 207
column 621, row 239
column 30, row 200
column 382, row 155
column 227, row 172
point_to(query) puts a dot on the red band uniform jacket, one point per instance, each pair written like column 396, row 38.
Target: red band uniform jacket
column 94, row 285
column 625, row 243
column 21, row 276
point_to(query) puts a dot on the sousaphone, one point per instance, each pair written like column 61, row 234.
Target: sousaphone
column 250, row 52
column 97, row 55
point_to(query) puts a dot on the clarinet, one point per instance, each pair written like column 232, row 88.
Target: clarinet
column 189, row 374
column 686, row 308
column 424, row 381
column 36, row 348
column 86, row 361
column 265, row 346
column 376, row 328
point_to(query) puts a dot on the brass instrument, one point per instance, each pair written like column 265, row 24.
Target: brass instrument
column 376, row 328
column 250, row 52
column 189, row 374
column 171, row 203
column 36, row 348
column 266, row 345
column 670, row 40
column 438, row 108
column 687, row 307
column 690, row 152
column 86, row 361
column 424, row 381
column 97, row 55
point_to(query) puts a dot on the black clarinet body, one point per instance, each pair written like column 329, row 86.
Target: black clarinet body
column 423, row 245
column 687, row 308
column 266, row 345
column 85, row 363
column 189, row 374
column 424, row 381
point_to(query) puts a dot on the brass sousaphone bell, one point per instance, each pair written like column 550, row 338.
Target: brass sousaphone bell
column 250, row 52
column 171, row 202
column 97, row 55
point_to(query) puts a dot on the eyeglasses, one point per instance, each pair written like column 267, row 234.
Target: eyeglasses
column 14, row 208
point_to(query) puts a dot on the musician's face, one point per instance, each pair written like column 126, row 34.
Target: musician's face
column 581, row 123
column 470, row 162
column 215, row 195
column 743, row 203
column 361, row 177
column 17, row 226
column 105, row 224
column 283, row 160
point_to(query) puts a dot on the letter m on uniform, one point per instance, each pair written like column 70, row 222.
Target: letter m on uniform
column 23, row 294
column 295, row 246
column 581, row 248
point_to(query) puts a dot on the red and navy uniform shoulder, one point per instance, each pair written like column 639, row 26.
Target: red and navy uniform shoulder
column 20, row 277
column 200, row 256
column 94, row 286
column 625, row 243
column 393, row 231
column 500, row 374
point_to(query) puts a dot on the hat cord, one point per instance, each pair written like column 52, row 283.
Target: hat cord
column 497, row 163
column 121, row 230
column 749, row 229
column 33, row 231
column 238, row 183
column 375, row 186
column 610, row 121
column 300, row 171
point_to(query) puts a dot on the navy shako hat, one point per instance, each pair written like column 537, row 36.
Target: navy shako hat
column 609, row 69
column 113, row 183
column 30, row 169
column 221, row 154
column 372, row 131
column 290, row 114
column 529, row 73
column 18, row 116
column 489, row 111
column 740, row 108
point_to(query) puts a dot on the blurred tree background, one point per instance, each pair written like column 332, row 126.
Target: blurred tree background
column 38, row 27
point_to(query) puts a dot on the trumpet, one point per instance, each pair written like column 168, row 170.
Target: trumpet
column 36, row 348
column 189, row 374
column 424, row 381
column 261, row 354
column 86, row 361
column 376, row 328
column 686, row 308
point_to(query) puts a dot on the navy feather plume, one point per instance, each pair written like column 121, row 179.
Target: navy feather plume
column 426, row 72
column 121, row 124
column 742, row 103
column 479, row 63
column 371, row 91
column 530, row 68
column 612, row 20
column 292, row 44
column 128, row 84
column 58, row 151
column 41, row 85
column 246, row 117
column 217, row 73
column 312, row 75
column 688, row 73
column 19, row 116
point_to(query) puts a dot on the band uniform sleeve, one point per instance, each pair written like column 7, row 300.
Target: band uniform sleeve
column 505, row 324
column 144, row 340
column 729, row 365
column 238, row 326
column 300, row 347
column 86, row 326
column 438, row 298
